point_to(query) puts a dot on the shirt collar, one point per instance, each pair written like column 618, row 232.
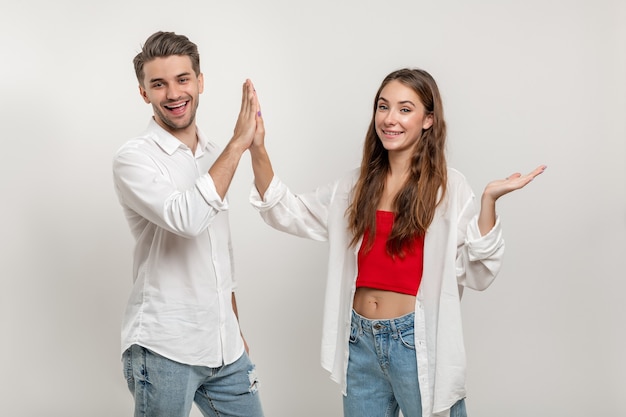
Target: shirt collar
column 168, row 142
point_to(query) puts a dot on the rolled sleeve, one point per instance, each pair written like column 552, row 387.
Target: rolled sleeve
column 483, row 247
column 274, row 193
column 206, row 188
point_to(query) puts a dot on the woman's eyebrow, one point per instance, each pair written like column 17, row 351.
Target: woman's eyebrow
column 400, row 102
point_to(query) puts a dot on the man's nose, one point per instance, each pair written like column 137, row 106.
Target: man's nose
column 173, row 92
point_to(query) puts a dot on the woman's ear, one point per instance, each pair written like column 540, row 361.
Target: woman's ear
column 428, row 121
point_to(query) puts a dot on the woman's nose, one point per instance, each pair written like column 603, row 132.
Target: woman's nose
column 390, row 118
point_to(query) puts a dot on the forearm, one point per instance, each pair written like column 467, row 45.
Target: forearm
column 487, row 215
column 262, row 168
column 224, row 168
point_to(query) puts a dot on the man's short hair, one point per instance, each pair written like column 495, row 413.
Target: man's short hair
column 164, row 44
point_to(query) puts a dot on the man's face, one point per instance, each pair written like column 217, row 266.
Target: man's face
column 172, row 87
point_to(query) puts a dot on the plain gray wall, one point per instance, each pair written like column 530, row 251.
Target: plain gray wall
column 524, row 83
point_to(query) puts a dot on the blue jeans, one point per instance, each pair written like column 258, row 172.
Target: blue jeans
column 165, row 388
column 382, row 370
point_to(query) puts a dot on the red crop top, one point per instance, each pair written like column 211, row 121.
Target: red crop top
column 377, row 269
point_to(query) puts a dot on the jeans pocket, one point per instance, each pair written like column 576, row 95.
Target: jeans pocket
column 354, row 333
column 127, row 368
column 407, row 337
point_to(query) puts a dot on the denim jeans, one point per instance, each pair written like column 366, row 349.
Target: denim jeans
column 165, row 388
column 382, row 370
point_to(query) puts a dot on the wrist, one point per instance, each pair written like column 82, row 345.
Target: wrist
column 236, row 144
column 258, row 150
column 487, row 200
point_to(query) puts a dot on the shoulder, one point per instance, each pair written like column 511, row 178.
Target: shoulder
column 455, row 176
column 348, row 180
column 138, row 145
column 457, row 180
column 351, row 176
column 458, row 187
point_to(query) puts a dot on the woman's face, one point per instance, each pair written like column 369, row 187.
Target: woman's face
column 400, row 118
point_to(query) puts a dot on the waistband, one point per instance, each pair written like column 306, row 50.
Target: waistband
column 394, row 325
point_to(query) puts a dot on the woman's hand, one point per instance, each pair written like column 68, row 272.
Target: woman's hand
column 498, row 188
column 259, row 134
column 261, row 164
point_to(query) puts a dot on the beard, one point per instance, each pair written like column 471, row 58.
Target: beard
column 177, row 124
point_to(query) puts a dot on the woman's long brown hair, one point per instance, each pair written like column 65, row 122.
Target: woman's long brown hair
column 415, row 203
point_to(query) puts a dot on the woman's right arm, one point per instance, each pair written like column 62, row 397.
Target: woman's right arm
column 301, row 215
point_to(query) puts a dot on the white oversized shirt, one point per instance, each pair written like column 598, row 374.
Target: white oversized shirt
column 455, row 256
column 180, row 305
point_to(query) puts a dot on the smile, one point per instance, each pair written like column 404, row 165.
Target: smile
column 176, row 106
column 390, row 133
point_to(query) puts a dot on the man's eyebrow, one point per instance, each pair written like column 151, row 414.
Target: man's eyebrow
column 184, row 74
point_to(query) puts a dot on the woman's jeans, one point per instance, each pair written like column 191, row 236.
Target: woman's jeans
column 382, row 370
column 165, row 388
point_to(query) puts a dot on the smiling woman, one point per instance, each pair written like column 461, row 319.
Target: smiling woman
column 400, row 120
column 404, row 238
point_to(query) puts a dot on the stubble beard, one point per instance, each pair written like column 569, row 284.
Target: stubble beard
column 171, row 123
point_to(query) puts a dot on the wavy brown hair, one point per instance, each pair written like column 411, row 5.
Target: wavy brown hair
column 415, row 203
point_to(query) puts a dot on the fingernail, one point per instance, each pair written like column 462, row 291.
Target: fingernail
column 258, row 113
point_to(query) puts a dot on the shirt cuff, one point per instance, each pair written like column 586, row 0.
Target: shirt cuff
column 275, row 191
column 206, row 187
column 482, row 247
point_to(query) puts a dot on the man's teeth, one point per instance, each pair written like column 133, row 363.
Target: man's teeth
column 177, row 106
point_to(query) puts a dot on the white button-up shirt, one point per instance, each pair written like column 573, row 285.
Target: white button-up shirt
column 180, row 305
column 455, row 256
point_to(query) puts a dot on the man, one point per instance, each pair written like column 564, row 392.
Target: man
column 181, row 340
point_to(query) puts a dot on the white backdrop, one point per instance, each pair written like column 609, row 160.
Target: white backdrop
column 524, row 83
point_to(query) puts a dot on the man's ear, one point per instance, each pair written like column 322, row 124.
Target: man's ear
column 144, row 95
column 200, row 83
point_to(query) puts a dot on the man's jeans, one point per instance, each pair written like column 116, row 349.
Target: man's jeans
column 382, row 370
column 164, row 388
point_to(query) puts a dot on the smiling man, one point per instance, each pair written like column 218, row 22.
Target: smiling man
column 181, row 341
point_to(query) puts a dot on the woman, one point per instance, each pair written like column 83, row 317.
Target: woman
column 404, row 240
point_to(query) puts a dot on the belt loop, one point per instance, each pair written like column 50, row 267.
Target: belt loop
column 394, row 330
column 358, row 319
